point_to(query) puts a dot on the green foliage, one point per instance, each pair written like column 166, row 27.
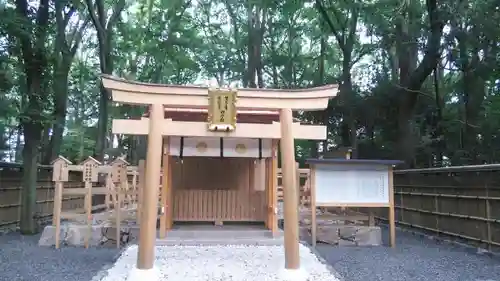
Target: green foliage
column 454, row 120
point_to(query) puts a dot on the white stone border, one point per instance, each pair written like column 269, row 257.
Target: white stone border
column 229, row 262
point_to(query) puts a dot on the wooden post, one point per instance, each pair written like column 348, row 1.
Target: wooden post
column 488, row 213
column 59, row 176
column 392, row 219
column 164, row 190
column 140, row 188
column 436, row 210
column 170, row 194
column 90, row 175
column 290, row 194
column 120, row 179
column 274, row 187
column 147, row 232
column 312, row 179
column 134, row 187
column 108, row 198
column 402, row 205
column 88, row 212
column 57, row 211
column 297, row 183
column 371, row 217
column 269, row 194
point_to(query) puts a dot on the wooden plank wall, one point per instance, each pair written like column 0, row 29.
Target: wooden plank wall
column 463, row 205
column 10, row 194
column 208, row 189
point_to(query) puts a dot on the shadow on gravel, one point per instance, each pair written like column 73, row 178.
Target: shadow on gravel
column 21, row 259
column 414, row 258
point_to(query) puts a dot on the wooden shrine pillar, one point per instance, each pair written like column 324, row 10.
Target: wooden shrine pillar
column 290, row 193
column 147, row 231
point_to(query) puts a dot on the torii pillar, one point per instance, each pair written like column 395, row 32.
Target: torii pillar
column 290, row 195
column 147, row 229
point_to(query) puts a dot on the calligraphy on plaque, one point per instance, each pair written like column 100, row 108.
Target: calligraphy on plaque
column 222, row 110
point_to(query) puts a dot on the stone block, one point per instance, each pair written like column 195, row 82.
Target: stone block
column 348, row 235
column 73, row 234
column 327, row 234
column 304, row 233
column 348, row 232
column 48, row 237
column 346, row 243
column 77, row 234
column 361, row 235
column 369, row 236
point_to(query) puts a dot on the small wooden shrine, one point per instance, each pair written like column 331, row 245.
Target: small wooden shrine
column 216, row 153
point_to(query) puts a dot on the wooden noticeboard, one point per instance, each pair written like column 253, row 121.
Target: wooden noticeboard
column 352, row 183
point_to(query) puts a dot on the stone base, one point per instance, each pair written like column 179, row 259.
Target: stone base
column 75, row 234
column 136, row 274
column 346, row 235
column 294, row 275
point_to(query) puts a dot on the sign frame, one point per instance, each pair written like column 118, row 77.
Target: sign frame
column 352, row 180
column 349, row 164
column 222, row 110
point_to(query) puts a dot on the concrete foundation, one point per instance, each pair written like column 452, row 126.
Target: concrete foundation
column 221, row 235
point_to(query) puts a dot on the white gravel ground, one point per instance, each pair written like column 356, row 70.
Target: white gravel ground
column 236, row 263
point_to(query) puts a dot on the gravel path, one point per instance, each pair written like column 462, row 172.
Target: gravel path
column 22, row 259
column 223, row 263
column 415, row 259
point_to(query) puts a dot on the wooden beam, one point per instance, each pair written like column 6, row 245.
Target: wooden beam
column 147, row 231
column 292, row 257
column 131, row 92
column 199, row 129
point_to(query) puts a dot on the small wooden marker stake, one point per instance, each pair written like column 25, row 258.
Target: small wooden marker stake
column 119, row 178
column 90, row 175
column 140, row 188
column 60, row 175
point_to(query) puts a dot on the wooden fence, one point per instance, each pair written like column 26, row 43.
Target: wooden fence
column 10, row 194
column 304, row 186
column 462, row 203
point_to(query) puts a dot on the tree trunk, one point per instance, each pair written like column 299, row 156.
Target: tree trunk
column 32, row 136
column 411, row 77
column 105, row 40
column 60, row 105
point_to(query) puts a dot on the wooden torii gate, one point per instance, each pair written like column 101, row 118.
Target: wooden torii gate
column 221, row 123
